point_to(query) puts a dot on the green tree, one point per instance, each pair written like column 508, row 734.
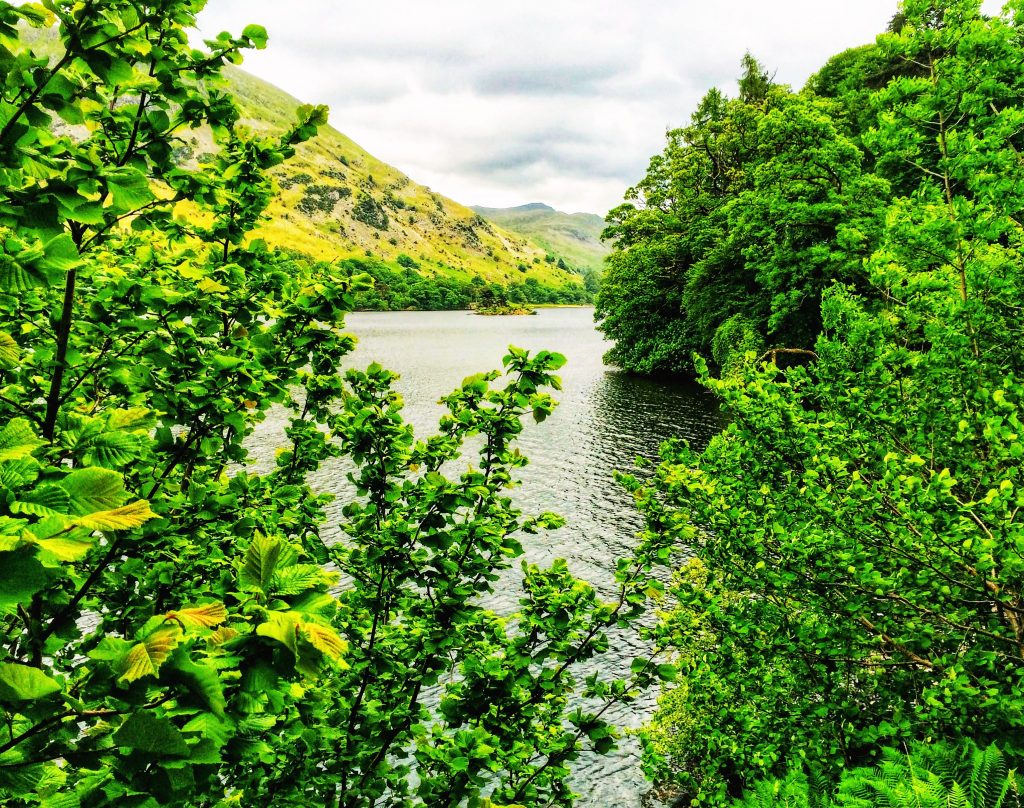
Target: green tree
column 751, row 212
column 859, row 578
column 170, row 632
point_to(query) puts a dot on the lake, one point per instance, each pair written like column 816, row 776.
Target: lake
column 604, row 421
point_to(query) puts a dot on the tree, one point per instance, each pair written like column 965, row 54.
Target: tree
column 171, row 633
column 748, row 215
column 858, row 579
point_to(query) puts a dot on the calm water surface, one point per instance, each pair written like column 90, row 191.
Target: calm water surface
column 604, row 421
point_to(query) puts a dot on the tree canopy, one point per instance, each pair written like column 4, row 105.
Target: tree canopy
column 857, row 580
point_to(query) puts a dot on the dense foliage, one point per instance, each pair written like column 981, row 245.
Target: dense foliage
column 175, row 628
column 858, row 579
column 406, row 287
column 923, row 776
column 728, row 242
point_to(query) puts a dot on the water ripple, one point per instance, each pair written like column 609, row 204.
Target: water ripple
column 604, row 421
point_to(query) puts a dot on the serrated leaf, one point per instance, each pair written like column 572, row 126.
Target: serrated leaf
column 18, row 473
column 59, row 255
column 209, row 286
column 93, row 490
column 124, row 518
column 298, row 578
column 18, row 277
column 17, row 440
column 259, row 563
column 110, row 450
column 21, row 576
column 258, row 35
column 32, row 509
column 46, row 500
column 51, row 526
column 222, row 635
column 202, row 680
column 146, row 657
column 210, row 726
column 149, row 733
column 25, row 683
column 129, row 190
column 10, row 353
column 256, row 723
column 325, row 640
column 133, row 418
column 67, row 548
column 111, row 649
column 206, row 616
column 64, row 799
column 283, row 627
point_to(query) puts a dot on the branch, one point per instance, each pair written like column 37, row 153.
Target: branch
column 774, row 352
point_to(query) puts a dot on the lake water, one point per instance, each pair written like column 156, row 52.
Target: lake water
column 604, row 421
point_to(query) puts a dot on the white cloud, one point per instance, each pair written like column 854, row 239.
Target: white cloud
column 560, row 101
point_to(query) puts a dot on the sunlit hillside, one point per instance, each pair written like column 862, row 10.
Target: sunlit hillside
column 337, row 200
column 574, row 237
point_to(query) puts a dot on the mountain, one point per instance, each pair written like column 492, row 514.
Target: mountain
column 575, row 237
column 336, row 200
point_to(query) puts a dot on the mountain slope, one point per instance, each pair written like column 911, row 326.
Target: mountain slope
column 336, row 200
column 576, row 237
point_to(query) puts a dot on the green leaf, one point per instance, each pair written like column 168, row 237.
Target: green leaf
column 146, row 657
column 17, row 440
column 129, row 190
column 146, row 732
column 59, row 256
column 257, row 34
column 210, row 726
column 10, row 352
column 202, row 680
column 25, row 683
column 21, row 576
column 298, row 578
column 92, row 490
column 16, row 276
column 259, row 563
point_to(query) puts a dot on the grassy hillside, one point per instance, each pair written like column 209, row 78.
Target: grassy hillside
column 576, row 237
column 336, row 201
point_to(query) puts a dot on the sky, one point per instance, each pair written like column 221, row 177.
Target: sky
column 555, row 101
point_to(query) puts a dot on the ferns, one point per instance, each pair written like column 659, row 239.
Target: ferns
column 929, row 776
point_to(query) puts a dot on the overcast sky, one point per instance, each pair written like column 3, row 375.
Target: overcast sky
column 556, row 101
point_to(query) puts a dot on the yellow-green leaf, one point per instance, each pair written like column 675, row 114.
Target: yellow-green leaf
column 17, row 440
column 206, row 616
column 24, row 683
column 146, row 657
column 67, row 548
column 283, row 627
column 222, row 635
column 93, row 489
column 210, row 286
column 325, row 640
column 259, row 563
column 10, row 353
column 123, row 518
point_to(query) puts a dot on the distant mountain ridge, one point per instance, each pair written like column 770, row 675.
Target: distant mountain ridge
column 576, row 237
column 336, row 200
